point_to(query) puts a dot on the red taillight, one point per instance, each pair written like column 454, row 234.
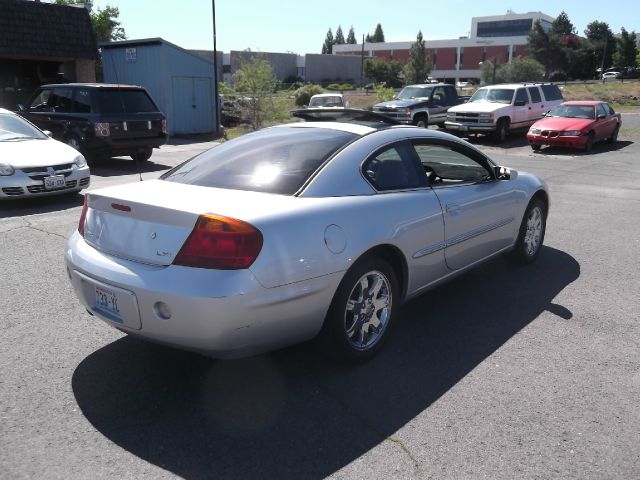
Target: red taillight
column 83, row 215
column 102, row 129
column 220, row 242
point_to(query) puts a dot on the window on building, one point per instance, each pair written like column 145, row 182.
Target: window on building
column 505, row 28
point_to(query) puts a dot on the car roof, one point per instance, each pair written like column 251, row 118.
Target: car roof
column 4, row 110
column 583, row 102
column 427, row 85
column 356, row 128
column 327, row 95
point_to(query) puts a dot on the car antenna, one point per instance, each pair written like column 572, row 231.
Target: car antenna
column 115, row 72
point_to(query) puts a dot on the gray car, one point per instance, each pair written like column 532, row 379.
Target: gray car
column 318, row 229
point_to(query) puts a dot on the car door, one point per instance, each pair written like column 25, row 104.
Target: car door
column 438, row 106
column 521, row 109
column 605, row 123
column 478, row 209
column 537, row 105
column 49, row 110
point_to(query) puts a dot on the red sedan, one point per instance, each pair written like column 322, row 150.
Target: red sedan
column 577, row 124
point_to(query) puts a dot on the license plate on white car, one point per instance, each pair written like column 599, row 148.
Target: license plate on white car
column 54, row 182
column 107, row 301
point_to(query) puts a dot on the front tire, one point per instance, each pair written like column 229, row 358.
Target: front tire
column 502, row 130
column 73, row 142
column 362, row 311
column 531, row 234
column 589, row 144
column 421, row 121
column 535, row 148
column 143, row 155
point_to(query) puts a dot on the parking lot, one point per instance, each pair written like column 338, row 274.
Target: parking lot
column 530, row 372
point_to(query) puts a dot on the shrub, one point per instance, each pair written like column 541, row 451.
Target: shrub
column 334, row 86
column 304, row 94
column 384, row 93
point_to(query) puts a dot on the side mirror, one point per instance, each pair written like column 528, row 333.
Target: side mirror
column 504, row 173
column 601, row 116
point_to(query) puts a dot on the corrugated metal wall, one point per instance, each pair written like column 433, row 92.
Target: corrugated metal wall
column 180, row 82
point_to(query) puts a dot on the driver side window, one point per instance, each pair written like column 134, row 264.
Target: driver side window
column 41, row 102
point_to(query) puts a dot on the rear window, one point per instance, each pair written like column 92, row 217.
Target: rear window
column 276, row 160
column 551, row 92
column 124, row 101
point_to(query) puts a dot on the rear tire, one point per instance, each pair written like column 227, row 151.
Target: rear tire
column 614, row 135
column 362, row 311
column 143, row 155
column 531, row 234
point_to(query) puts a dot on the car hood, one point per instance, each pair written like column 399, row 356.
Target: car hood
column 398, row 103
column 557, row 123
column 478, row 107
column 36, row 153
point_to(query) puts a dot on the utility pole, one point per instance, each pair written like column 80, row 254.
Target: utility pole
column 604, row 54
column 362, row 63
column 216, row 101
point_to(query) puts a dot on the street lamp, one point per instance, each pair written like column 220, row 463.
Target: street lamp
column 494, row 64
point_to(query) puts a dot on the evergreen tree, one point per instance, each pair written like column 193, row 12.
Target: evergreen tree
column 626, row 50
column 603, row 42
column 562, row 25
column 545, row 47
column 351, row 37
column 418, row 68
column 368, row 38
column 339, row 40
column 378, row 35
column 104, row 21
column 327, row 47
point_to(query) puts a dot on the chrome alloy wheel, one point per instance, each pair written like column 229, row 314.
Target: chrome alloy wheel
column 533, row 235
column 368, row 310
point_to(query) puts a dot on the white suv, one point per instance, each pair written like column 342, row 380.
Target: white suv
column 498, row 109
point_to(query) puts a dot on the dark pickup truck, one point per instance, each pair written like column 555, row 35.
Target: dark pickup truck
column 421, row 105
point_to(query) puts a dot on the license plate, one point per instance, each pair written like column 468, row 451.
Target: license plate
column 107, row 301
column 54, row 182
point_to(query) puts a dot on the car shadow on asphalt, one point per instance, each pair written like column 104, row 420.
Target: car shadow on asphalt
column 18, row 207
column 295, row 414
column 600, row 147
column 114, row 167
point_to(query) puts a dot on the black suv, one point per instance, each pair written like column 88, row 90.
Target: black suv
column 100, row 120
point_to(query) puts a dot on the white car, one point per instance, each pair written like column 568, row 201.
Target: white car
column 610, row 75
column 464, row 84
column 33, row 164
column 297, row 230
column 328, row 100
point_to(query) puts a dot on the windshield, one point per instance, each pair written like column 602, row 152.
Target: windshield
column 408, row 93
column 13, row 127
column 334, row 101
column 496, row 95
column 276, row 160
column 573, row 111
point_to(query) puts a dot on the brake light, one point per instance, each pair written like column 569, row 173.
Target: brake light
column 83, row 215
column 220, row 242
column 101, row 129
column 164, row 125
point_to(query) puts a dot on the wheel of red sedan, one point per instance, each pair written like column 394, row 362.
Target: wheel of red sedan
column 363, row 308
column 531, row 236
column 589, row 144
column 614, row 136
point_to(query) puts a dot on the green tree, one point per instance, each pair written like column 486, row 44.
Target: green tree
column 562, row 25
column 603, row 42
column 545, row 47
column 327, row 46
column 384, row 93
column 106, row 26
column 256, row 81
column 351, row 37
column 378, row 35
column 339, row 40
column 626, row 50
column 383, row 71
column 417, row 68
column 520, row 70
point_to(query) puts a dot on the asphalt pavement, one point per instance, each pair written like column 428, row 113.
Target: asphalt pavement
column 529, row 372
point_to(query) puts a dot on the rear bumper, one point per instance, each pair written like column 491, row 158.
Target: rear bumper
column 122, row 146
column 221, row 313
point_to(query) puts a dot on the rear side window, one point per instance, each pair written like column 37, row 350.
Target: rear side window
column 124, row 101
column 535, row 94
column 82, row 101
column 276, row 160
column 551, row 92
column 393, row 168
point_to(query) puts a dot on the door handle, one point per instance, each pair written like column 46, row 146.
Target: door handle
column 452, row 208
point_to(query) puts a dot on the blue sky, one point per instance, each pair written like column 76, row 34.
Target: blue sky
column 301, row 27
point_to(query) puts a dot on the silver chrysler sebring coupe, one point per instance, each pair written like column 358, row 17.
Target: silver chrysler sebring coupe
column 315, row 229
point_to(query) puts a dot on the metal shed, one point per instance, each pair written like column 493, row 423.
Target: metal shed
column 180, row 82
